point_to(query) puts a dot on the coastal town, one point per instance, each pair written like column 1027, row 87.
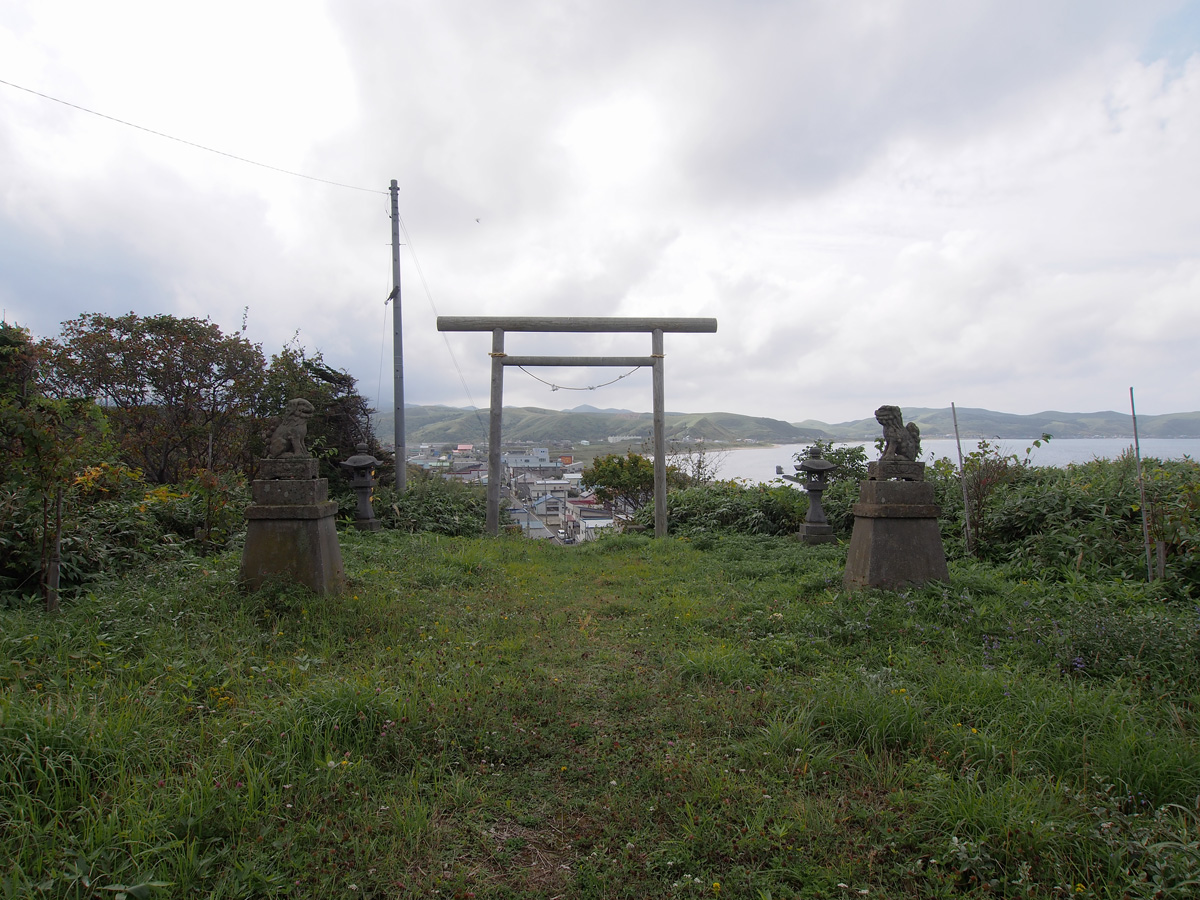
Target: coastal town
column 542, row 489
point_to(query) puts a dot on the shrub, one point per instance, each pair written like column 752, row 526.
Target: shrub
column 730, row 506
column 209, row 508
column 433, row 504
column 109, row 528
column 1086, row 520
column 851, row 460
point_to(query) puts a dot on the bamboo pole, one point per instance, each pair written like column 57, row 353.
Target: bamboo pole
column 962, row 479
column 1137, row 452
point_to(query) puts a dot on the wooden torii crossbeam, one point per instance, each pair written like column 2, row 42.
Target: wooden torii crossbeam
column 498, row 325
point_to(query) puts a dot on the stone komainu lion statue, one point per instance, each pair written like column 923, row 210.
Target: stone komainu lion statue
column 900, row 441
column 287, row 441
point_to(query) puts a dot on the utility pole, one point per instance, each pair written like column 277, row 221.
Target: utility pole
column 398, row 347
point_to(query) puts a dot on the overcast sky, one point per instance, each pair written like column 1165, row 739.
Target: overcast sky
column 990, row 203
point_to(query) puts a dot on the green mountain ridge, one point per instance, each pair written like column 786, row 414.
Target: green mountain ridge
column 985, row 423
column 444, row 424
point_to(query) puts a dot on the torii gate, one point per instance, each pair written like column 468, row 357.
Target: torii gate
column 497, row 325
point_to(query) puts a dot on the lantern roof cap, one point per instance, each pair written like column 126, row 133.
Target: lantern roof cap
column 361, row 460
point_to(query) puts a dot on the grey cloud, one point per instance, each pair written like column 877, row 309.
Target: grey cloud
column 829, row 86
column 762, row 100
column 803, row 147
column 49, row 280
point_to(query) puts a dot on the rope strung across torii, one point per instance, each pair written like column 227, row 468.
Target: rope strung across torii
column 498, row 325
column 588, row 387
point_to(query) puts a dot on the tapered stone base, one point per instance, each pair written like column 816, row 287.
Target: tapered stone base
column 896, row 541
column 291, row 530
column 301, row 551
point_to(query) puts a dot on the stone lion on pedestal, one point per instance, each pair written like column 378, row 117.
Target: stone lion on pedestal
column 287, row 442
column 900, row 441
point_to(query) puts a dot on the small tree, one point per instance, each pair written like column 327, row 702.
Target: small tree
column 984, row 470
column 692, row 465
column 43, row 442
column 851, row 460
column 179, row 393
column 343, row 416
column 625, row 480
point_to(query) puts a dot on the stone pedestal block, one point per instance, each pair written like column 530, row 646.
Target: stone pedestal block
column 896, row 541
column 817, row 534
column 296, row 468
column 291, row 530
column 902, row 469
column 283, row 492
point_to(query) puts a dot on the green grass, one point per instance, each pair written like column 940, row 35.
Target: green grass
column 631, row 718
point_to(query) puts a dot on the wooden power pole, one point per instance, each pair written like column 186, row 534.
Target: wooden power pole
column 398, row 347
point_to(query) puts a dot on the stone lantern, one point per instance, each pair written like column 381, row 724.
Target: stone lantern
column 816, row 528
column 361, row 467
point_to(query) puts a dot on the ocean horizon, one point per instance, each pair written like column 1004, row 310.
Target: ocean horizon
column 756, row 465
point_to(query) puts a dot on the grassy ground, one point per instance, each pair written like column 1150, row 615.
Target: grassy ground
column 630, row 718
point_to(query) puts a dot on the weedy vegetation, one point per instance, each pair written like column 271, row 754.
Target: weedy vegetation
column 704, row 715
column 700, row 716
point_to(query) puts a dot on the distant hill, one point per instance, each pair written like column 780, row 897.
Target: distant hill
column 983, row 423
column 588, row 408
column 445, row 424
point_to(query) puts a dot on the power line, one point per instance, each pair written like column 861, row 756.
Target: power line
column 411, row 248
column 429, row 297
column 171, row 137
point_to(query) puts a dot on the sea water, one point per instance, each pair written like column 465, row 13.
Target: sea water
column 757, row 464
